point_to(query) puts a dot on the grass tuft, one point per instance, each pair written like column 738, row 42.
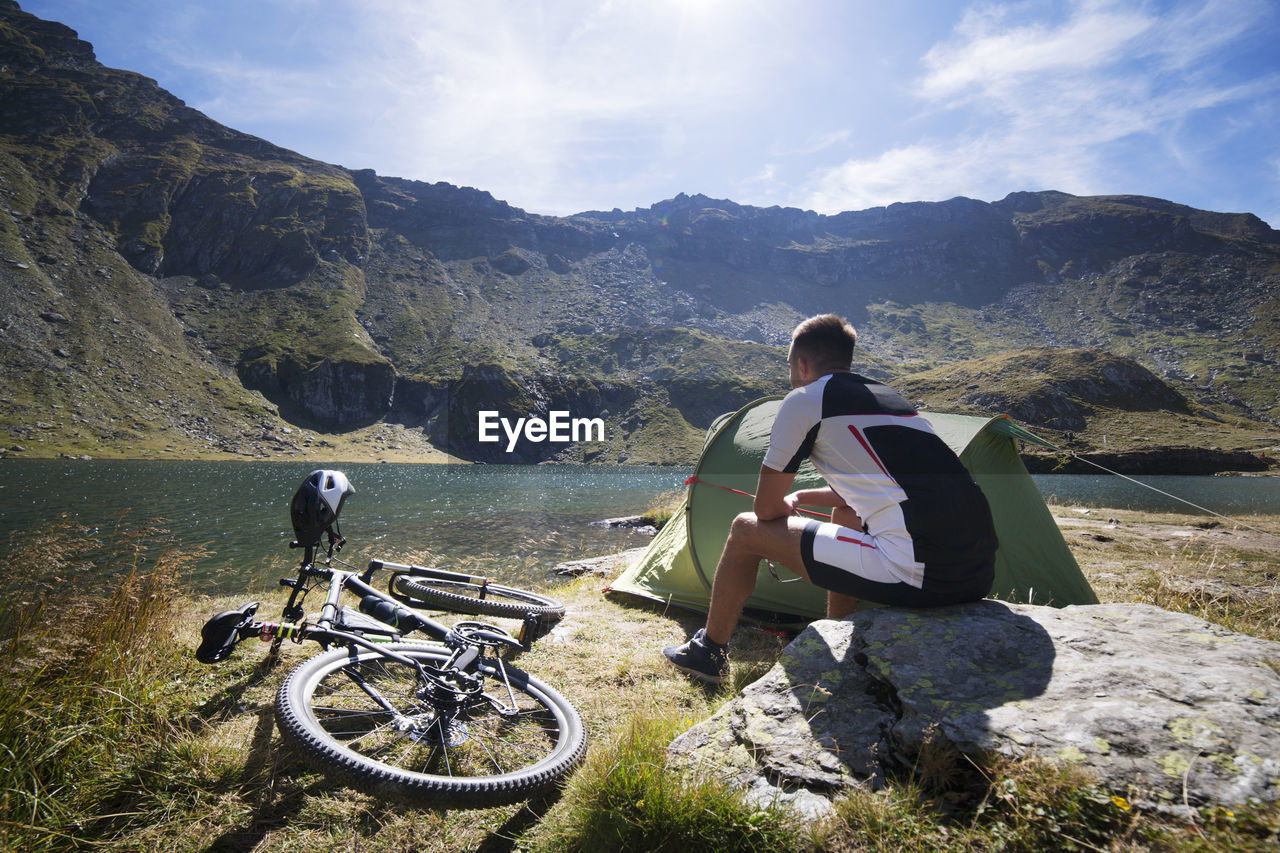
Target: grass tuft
column 663, row 507
column 85, row 671
column 625, row 798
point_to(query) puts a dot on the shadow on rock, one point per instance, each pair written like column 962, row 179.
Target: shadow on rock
column 1163, row 707
column 850, row 700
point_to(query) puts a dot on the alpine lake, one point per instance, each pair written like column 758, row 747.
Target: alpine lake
column 512, row 523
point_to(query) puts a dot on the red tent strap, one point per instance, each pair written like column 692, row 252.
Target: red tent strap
column 696, row 479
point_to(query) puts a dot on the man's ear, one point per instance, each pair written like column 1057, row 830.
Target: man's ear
column 803, row 366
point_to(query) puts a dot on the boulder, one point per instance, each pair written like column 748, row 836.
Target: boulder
column 1163, row 708
column 608, row 566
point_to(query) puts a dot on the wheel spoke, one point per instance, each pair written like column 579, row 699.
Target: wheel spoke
column 528, row 742
column 429, row 744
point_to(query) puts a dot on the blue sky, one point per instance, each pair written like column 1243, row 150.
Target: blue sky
column 827, row 105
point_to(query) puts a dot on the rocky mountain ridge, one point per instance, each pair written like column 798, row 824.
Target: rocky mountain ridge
column 170, row 282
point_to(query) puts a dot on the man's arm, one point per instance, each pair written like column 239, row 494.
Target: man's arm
column 770, row 491
column 817, row 497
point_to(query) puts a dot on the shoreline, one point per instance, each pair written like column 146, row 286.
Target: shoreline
column 1157, row 461
column 1181, row 461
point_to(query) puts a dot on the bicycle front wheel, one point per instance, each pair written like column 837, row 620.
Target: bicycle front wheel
column 410, row 746
column 477, row 598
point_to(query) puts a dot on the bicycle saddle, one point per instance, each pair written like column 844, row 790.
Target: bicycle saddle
column 221, row 633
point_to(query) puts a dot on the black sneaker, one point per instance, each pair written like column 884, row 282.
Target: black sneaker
column 701, row 658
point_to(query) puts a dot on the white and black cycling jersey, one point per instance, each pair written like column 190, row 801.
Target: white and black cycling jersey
column 884, row 459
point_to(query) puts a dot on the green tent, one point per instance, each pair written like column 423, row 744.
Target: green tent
column 1033, row 563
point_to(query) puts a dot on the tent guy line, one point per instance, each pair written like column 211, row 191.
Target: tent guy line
column 1170, row 495
column 696, row 479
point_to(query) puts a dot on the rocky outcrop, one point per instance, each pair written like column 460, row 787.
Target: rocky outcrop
column 1054, row 388
column 608, row 566
column 183, row 211
column 331, row 393
column 181, row 194
column 1162, row 707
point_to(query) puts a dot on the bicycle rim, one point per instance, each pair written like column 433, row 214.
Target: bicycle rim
column 480, row 599
column 417, row 755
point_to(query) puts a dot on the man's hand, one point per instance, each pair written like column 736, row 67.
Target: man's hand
column 841, row 512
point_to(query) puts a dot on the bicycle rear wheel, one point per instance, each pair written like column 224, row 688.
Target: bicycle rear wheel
column 477, row 598
column 422, row 753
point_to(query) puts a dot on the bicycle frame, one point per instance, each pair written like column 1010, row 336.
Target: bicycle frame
column 424, row 572
column 466, row 639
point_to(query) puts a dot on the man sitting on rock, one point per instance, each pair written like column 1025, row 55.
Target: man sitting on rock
column 909, row 527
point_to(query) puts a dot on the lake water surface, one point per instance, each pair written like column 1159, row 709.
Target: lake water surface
column 506, row 521
column 511, row 522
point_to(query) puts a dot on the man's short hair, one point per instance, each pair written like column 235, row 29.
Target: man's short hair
column 827, row 340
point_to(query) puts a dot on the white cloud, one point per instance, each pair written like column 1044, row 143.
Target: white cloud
column 531, row 102
column 820, row 142
column 541, row 103
column 564, row 105
column 891, row 176
column 989, row 56
column 1039, row 105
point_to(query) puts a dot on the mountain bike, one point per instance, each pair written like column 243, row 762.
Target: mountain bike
column 449, row 722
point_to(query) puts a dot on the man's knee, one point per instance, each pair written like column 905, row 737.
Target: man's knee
column 767, row 539
column 743, row 524
column 748, row 532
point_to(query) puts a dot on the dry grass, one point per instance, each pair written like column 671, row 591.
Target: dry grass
column 1223, row 573
column 237, row 785
column 156, row 752
column 87, row 675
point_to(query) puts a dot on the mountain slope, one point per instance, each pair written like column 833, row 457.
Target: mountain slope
column 167, row 282
column 1065, row 392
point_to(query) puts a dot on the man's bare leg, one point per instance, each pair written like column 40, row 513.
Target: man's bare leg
column 840, row 605
column 750, row 541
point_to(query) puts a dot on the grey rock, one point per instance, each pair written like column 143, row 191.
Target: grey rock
column 634, row 523
column 1162, row 707
column 608, row 566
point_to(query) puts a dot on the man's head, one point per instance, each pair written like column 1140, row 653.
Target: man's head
column 820, row 345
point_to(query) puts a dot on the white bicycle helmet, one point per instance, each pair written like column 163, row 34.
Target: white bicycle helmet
column 317, row 503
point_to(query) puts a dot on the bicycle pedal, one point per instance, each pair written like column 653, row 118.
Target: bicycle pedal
column 534, row 628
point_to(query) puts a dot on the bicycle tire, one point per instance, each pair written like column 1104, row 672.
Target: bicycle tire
column 479, row 599
column 343, row 733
